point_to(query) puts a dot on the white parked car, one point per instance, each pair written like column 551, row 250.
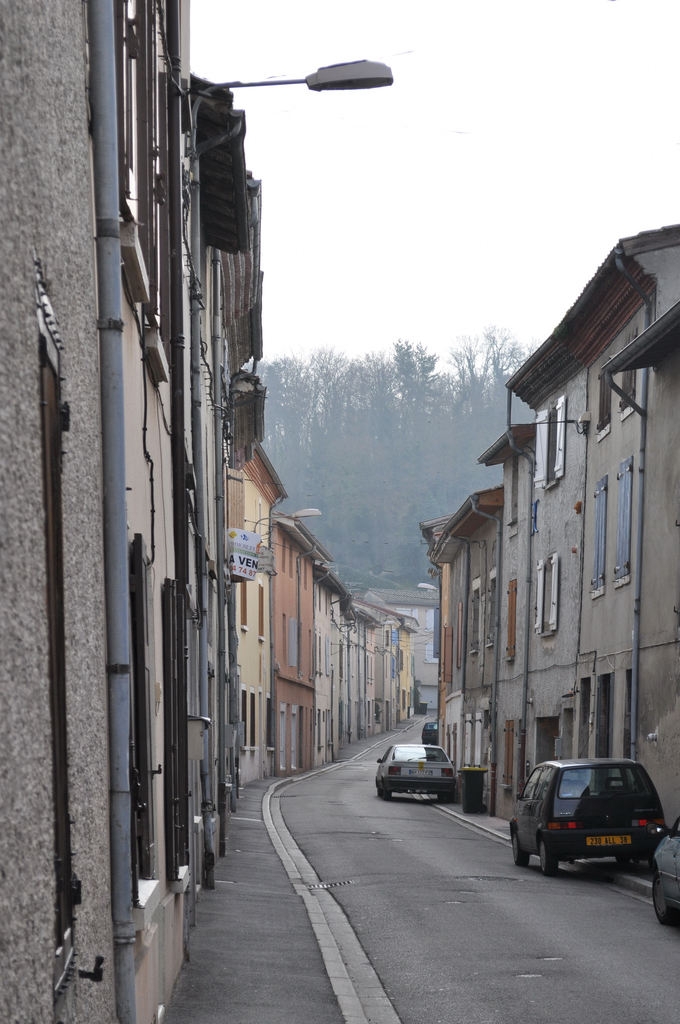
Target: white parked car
column 415, row 768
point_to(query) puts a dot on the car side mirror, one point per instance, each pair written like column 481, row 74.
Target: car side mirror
column 380, row 760
column 658, row 830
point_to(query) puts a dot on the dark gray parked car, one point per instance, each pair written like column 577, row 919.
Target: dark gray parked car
column 600, row 807
column 430, row 733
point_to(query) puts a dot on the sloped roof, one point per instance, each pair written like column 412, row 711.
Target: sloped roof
column 404, row 597
column 466, row 521
column 602, row 309
column 501, row 449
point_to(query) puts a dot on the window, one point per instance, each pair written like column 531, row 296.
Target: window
column 550, row 443
column 623, row 521
column 140, row 171
column 628, row 378
column 604, row 415
column 476, row 618
column 547, row 591
column 511, row 644
column 292, row 642
column 597, row 582
column 243, row 598
column 251, row 721
column 491, row 624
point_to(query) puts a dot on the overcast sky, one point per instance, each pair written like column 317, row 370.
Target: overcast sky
column 521, row 139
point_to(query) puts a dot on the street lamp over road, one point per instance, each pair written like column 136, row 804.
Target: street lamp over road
column 358, row 74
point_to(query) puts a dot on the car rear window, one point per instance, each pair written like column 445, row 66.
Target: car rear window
column 419, row 754
column 603, row 780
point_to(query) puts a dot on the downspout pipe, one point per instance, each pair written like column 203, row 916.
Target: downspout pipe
column 527, row 607
column 474, row 500
column 116, row 577
column 207, row 805
column 641, row 410
column 218, row 438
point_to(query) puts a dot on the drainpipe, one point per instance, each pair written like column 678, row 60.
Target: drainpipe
column 177, row 372
column 474, row 499
column 110, row 326
column 273, row 710
column 218, row 430
column 641, row 410
column 527, row 608
column 207, row 805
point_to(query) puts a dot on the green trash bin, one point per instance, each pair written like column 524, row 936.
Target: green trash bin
column 472, row 786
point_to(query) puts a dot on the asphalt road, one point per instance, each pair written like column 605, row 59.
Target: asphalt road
column 455, row 932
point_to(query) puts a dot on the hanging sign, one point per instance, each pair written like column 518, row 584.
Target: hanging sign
column 243, row 548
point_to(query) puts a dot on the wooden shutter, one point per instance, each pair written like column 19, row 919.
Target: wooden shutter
column 175, row 732
column 141, row 755
column 65, row 885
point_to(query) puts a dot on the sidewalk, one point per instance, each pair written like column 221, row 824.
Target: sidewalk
column 240, row 974
column 237, row 972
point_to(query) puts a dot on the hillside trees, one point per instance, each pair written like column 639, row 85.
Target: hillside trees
column 383, row 441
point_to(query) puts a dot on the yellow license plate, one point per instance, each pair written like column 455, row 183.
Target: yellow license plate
column 608, row 840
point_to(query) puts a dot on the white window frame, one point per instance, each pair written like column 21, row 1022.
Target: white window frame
column 544, row 475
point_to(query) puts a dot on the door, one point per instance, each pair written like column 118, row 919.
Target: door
column 529, row 807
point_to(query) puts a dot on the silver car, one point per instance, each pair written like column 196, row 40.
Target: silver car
column 415, row 768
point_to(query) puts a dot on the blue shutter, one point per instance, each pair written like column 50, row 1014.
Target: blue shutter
column 623, row 521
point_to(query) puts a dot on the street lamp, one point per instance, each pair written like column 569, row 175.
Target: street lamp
column 358, row 74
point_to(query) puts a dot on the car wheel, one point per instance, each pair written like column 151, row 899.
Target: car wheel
column 549, row 861
column 386, row 793
column 520, row 856
column 664, row 913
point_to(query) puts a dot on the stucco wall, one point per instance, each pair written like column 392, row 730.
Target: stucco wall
column 45, row 193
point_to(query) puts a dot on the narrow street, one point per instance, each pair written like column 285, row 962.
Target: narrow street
column 448, row 929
